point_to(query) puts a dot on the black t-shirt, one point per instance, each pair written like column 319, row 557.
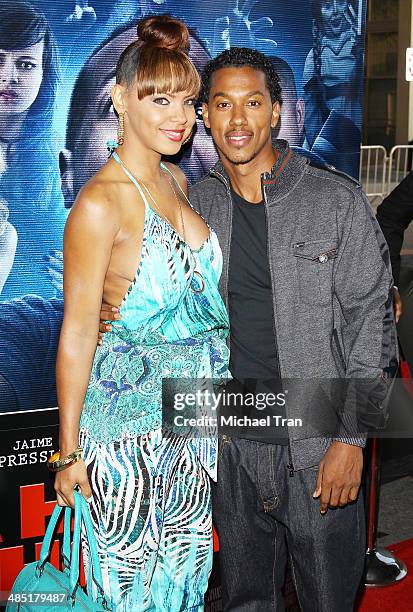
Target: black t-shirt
column 254, row 359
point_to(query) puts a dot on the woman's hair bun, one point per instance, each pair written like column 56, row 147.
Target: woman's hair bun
column 164, row 32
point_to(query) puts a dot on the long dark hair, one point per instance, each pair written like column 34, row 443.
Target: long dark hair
column 23, row 25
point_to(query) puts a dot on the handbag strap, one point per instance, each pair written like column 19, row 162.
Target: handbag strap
column 82, row 513
column 94, row 556
column 47, row 541
column 74, row 557
column 65, row 552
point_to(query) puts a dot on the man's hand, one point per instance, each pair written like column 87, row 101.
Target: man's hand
column 107, row 313
column 339, row 476
column 397, row 304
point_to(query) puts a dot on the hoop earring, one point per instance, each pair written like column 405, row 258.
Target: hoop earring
column 121, row 129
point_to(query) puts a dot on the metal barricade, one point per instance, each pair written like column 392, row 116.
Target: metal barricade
column 399, row 165
column 373, row 165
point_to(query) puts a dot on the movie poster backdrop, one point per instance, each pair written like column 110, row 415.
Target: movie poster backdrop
column 56, row 118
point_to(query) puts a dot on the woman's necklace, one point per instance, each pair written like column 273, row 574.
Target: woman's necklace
column 162, row 215
column 198, row 274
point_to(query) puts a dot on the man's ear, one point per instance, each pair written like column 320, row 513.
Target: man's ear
column 300, row 112
column 205, row 115
column 275, row 115
column 66, row 176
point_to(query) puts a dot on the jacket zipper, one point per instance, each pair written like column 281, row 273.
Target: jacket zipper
column 264, row 176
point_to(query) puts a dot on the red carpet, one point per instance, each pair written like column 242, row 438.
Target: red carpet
column 396, row 597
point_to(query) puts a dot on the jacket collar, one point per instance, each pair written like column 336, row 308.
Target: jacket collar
column 282, row 178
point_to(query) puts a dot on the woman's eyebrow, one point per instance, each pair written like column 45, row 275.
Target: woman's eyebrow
column 31, row 57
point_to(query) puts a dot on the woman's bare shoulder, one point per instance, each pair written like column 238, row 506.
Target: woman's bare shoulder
column 93, row 208
column 100, row 192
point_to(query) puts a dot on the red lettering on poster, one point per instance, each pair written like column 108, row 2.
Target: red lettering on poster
column 11, row 562
column 33, row 511
column 215, row 539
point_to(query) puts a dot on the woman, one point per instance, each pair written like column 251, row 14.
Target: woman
column 150, row 490
column 29, row 172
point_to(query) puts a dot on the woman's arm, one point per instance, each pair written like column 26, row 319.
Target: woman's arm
column 89, row 236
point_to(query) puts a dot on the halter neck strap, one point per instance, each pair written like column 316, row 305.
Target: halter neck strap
column 176, row 182
column 133, row 179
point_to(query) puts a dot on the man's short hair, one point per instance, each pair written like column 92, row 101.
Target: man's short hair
column 236, row 57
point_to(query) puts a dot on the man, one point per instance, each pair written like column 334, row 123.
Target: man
column 307, row 281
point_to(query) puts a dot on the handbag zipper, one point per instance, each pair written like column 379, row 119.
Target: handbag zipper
column 63, row 587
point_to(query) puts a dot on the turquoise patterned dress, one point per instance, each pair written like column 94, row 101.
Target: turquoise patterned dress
column 151, row 490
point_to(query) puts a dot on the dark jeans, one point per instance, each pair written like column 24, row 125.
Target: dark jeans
column 260, row 512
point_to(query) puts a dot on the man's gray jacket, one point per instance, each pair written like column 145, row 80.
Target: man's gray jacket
column 332, row 288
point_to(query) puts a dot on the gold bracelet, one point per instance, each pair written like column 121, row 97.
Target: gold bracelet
column 55, row 464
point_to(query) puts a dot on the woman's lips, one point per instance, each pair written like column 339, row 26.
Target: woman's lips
column 8, row 95
column 174, row 135
column 238, row 139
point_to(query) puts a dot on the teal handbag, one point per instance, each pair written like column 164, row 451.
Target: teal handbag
column 40, row 586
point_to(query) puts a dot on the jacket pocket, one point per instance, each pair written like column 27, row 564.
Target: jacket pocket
column 314, row 265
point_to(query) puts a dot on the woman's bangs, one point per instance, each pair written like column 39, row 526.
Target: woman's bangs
column 167, row 73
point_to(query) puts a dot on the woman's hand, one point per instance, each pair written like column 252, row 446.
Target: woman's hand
column 66, row 481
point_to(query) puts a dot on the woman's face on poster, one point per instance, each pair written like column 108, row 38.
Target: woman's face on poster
column 21, row 74
column 333, row 16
